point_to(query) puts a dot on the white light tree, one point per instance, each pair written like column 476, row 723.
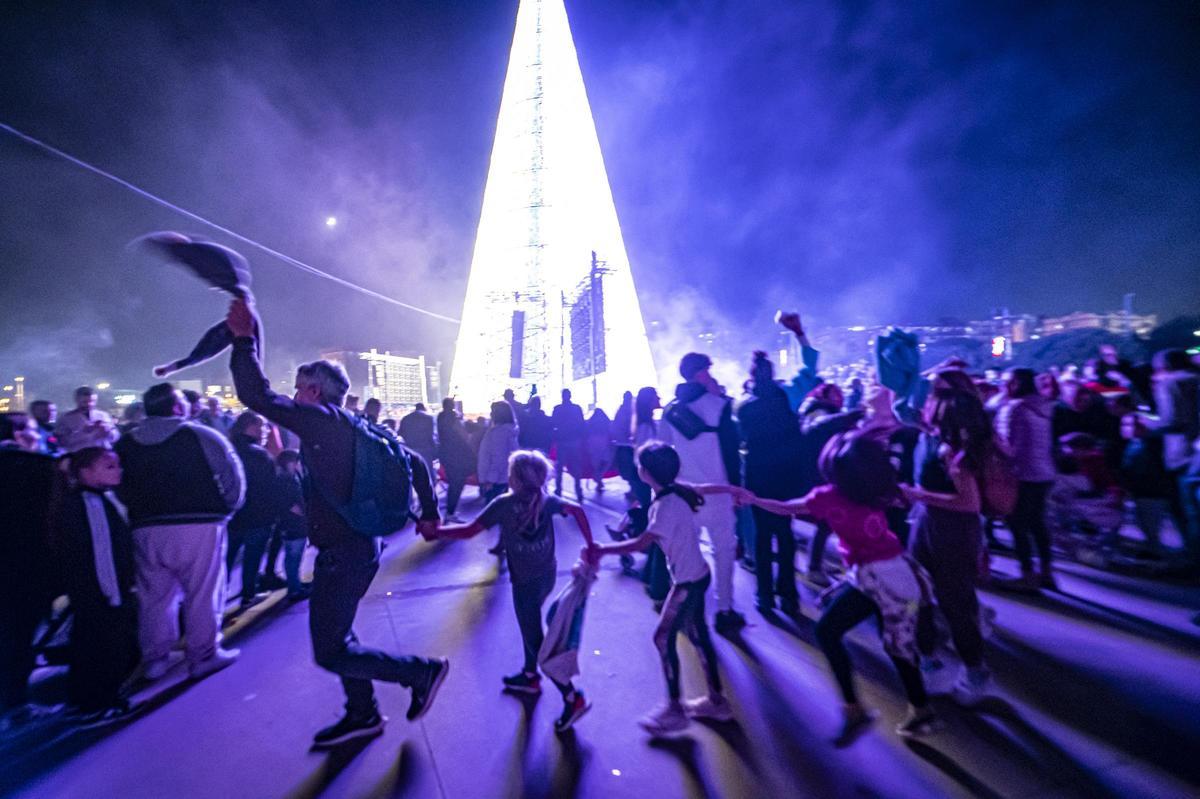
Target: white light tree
column 550, row 298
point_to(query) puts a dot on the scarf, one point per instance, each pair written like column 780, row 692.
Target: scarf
column 106, row 571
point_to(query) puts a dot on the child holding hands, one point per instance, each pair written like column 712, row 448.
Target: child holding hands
column 525, row 516
column 672, row 525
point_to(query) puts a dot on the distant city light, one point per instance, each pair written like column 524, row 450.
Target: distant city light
column 616, row 772
column 125, row 399
column 103, row 386
column 1194, row 333
column 331, row 221
column 999, row 345
column 858, row 329
column 8, row 388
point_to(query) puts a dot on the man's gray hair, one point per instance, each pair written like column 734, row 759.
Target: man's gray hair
column 331, row 377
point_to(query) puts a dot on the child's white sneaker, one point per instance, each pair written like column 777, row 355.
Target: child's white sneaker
column 666, row 718
column 713, row 708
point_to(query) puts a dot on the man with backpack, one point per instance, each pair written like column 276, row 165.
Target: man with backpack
column 355, row 478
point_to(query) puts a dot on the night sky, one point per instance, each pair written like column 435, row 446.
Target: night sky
column 864, row 161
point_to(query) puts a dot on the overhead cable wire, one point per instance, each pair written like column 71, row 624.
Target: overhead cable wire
column 287, row 259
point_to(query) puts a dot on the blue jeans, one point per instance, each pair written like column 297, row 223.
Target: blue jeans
column 293, row 553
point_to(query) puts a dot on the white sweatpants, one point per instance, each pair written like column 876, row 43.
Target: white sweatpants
column 717, row 518
column 171, row 558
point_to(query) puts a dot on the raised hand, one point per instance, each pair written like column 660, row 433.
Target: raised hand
column 791, row 321
column 239, row 320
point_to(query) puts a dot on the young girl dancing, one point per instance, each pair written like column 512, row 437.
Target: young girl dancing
column 886, row 583
column 525, row 516
column 672, row 525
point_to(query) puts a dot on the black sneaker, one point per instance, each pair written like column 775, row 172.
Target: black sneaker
column 423, row 697
column 729, row 621
column 348, row 729
column 523, row 683
column 271, row 582
column 790, row 607
column 299, row 596
column 573, row 711
column 853, row 726
column 122, row 711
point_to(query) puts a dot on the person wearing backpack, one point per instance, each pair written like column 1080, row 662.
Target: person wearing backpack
column 332, row 443
column 699, row 424
column 947, row 502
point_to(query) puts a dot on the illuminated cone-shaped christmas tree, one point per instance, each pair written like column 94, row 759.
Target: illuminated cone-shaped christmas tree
column 550, row 300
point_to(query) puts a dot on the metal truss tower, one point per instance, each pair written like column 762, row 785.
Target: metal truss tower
column 547, row 213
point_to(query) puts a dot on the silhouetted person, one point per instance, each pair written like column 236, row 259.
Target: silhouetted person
column 372, row 410
column 455, row 452
column 771, row 435
column 536, row 429
column 570, row 435
column 416, row 428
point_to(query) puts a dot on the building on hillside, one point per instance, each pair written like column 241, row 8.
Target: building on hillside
column 1113, row 322
column 397, row 381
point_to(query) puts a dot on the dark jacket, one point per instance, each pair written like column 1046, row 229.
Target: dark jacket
column 536, row 431
column 178, row 472
column 261, row 507
column 416, row 429
column 818, row 424
column 454, row 448
column 29, row 481
column 569, row 426
column 75, row 554
column 291, row 525
column 770, row 431
column 327, row 448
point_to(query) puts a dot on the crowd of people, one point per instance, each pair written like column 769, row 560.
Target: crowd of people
column 914, row 473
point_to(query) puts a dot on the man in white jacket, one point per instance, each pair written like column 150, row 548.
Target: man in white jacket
column 707, row 443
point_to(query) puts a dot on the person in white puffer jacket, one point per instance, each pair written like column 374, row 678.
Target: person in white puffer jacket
column 708, row 452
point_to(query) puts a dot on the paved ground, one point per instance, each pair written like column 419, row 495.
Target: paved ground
column 1098, row 695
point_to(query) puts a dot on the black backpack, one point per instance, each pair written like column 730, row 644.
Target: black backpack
column 686, row 421
column 381, row 492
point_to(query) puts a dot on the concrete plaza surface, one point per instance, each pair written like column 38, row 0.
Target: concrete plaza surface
column 1098, row 694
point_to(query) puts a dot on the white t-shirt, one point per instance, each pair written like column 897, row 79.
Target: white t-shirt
column 674, row 526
